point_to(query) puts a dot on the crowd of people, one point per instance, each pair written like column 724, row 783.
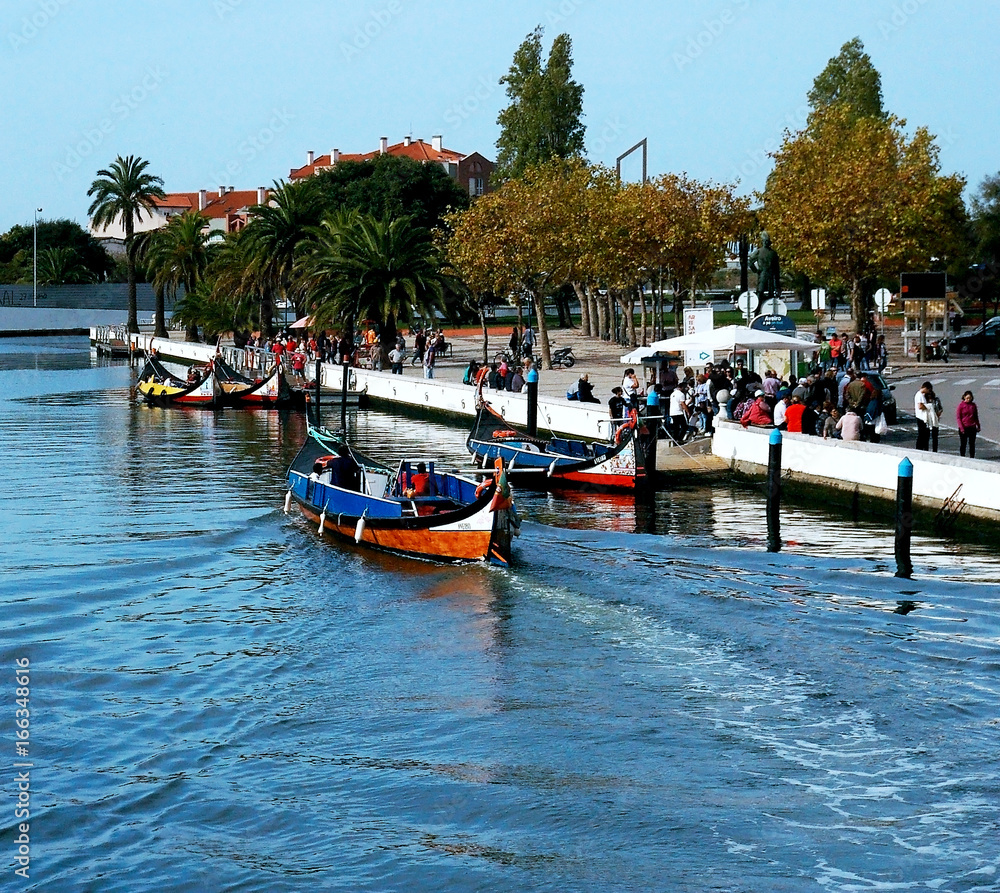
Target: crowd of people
column 835, row 401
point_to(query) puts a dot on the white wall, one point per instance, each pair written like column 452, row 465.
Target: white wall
column 413, row 390
column 935, row 475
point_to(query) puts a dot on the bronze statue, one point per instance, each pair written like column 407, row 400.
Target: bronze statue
column 764, row 262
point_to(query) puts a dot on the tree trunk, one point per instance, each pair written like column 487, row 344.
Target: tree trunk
column 805, row 294
column 133, row 310
column 581, row 296
column 543, row 329
column 858, row 309
column 642, row 313
column 744, row 263
column 160, row 329
column 486, row 334
column 602, row 315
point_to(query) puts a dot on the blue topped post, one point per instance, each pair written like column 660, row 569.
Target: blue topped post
column 904, row 519
column 532, row 384
column 774, row 492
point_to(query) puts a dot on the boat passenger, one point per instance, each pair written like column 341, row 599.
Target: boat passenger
column 420, row 483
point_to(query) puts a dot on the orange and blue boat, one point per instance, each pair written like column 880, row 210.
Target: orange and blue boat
column 412, row 509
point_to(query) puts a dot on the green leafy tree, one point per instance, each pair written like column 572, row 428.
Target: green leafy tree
column 851, row 200
column 272, row 238
column 390, row 186
column 123, row 191
column 17, row 244
column 542, row 121
column 850, row 79
column 62, row 266
column 178, row 256
column 364, row 267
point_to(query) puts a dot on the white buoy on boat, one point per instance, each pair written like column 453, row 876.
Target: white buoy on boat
column 359, row 530
column 288, row 501
column 322, row 521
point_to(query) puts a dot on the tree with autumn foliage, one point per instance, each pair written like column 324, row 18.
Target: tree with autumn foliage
column 850, row 201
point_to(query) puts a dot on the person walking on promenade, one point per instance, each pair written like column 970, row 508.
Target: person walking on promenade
column 881, row 354
column 927, row 408
column 967, row 415
column 528, row 341
column 429, row 358
column 514, row 343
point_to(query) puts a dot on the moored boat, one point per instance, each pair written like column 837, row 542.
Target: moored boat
column 239, row 390
column 412, row 509
column 160, row 387
column 615, row 465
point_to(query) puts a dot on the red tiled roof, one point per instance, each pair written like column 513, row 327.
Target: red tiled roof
column 216, row 206
column 418, row 150
column 177, row 200
column 224, row 205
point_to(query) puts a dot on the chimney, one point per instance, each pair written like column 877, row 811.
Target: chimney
column 436, row 143
column 383, row 144
column 230, row 189
column 202, row 199
column 222, row 191
column 406, row 140
column 309, row 157
column 334, row 156
column 261, row 195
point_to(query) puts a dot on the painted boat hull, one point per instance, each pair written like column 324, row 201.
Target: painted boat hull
column 559, row 463
column 272, row 390
column 202, row 393
column 461, row 522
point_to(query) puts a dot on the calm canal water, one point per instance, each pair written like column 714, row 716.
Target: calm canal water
column 219, row 701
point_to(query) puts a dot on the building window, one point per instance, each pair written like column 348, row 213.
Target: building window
column 476, row 186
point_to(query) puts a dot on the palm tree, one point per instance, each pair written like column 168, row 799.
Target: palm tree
column 125, row 190
column 62, row 266
column 178, row 255
column 271, row 239
column 361, row 266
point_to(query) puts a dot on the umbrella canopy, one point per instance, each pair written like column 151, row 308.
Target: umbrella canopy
column 302, row 323
column 728, row 338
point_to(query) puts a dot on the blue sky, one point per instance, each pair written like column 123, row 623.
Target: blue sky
column 235, row 92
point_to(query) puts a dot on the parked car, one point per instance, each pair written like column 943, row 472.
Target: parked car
column 984, row 338
column 888, row 400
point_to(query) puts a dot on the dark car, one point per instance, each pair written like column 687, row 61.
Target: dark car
column 888, row 401
column 983, row 339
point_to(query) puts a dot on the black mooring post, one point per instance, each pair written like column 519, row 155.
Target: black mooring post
column 532, row 384
column 343, row 394
column 319, row 375
column 904, row 519
column 774, row 492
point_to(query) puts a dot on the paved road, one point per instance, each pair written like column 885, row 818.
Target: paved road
column 950, row 384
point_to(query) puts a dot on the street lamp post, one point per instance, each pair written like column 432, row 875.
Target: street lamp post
column 34, row 263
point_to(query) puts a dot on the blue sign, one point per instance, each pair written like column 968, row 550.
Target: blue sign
column 768, row 322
